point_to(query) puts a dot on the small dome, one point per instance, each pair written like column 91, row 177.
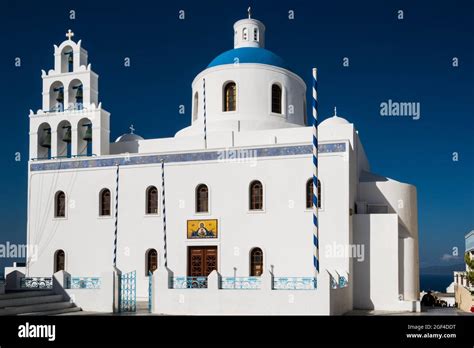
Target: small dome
column 128, row 137
column 335, row 120
column 249, row 55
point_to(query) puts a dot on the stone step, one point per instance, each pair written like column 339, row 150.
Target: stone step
column 36, row 308
column 55, row 312
column 28, row 293
column 24, row 301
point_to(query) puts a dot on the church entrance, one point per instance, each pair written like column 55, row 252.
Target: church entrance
column 202, row 260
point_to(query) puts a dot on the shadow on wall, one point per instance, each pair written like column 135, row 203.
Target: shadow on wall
column 362, row 276
column 377, row 197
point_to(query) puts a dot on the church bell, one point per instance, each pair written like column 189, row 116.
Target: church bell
column 60, row 96
column 79, row 94
column 46, row 139
column 88, row 135
column 67, row 134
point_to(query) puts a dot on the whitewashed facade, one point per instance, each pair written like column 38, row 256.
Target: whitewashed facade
column 254, row 132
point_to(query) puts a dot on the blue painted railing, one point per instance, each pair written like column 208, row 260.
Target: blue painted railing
column 340, row 283
column 189, row 282
column 36, row 283
column 294, row 283
column 150, row 291
column 128, row 292
column 245, row 283
column 84, row 283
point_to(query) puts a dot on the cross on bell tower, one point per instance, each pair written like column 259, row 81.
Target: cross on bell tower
column 69, row 34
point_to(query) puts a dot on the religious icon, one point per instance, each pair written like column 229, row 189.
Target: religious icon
column 202, row 229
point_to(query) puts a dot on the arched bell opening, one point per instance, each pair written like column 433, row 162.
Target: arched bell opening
column 56, row 97
column 44, row 141
column 76, row 95
column 67, row 59
column 84, row 137
column 64, row 139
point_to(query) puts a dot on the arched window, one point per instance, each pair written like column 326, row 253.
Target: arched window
column 309, row 194
column 151, row 200
column 60, row 204
column 202, row 199
column 256, row 195
column 104, row 202
column 59, row 261
column 255, row 34
column 276, row 99
column 195, row 106
column 256, row 262
column 230, row 96
column 245, row 34
column 151, row 261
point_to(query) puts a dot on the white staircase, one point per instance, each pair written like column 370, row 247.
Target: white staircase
column 40, row 302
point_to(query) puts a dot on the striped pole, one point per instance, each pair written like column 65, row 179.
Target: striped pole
column 164, row 210
column 204, row 105
column 116, row 213
column 315, row 173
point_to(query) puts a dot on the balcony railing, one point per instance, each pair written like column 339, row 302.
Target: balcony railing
column 83, row 283
column 36, row 283
column 340, row 283
column 241, row 283
column 189, row 282
column 294, row 283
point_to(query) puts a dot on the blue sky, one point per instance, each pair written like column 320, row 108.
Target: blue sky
column 407, row 60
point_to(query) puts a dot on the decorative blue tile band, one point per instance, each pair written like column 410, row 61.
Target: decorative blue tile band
column 221, row 155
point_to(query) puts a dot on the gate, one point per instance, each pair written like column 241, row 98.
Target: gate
column 128, row 292
column 150, row 291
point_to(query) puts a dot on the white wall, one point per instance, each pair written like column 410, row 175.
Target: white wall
column 375, row 280
column 87, row 239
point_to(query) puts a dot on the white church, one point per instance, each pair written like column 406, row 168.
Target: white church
column 218, row 218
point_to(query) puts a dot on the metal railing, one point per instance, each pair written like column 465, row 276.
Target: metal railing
column 342, row 282
column 83, row 283
column 294, row 283
column 338, row 284
column 36, row 283
column 62, row 157
column 189, row 283
column 241, row 283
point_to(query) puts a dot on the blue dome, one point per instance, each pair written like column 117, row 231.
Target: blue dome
column 249, row 55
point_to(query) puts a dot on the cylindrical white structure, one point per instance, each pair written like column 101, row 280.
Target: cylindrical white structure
column 249, row 33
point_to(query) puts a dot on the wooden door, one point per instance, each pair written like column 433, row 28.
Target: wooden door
column 202, row 261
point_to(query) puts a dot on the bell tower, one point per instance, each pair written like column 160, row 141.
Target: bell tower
column 71, row 122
